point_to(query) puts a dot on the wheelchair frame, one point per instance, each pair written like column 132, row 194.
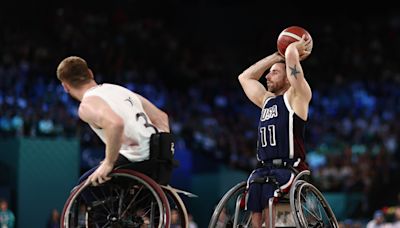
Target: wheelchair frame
column 300, row 214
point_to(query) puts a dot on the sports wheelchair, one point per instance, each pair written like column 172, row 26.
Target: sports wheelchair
column 130, row 198
column 303, row 206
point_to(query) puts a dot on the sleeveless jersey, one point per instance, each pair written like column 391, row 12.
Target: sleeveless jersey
column 280, row 131
column 137, row 125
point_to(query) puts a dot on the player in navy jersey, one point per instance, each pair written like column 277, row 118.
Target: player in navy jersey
column 284, row 110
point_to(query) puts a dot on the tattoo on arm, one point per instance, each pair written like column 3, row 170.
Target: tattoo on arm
column 294, row 71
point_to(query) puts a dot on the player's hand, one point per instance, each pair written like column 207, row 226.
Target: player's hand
column 101, row 174
column 304, row 47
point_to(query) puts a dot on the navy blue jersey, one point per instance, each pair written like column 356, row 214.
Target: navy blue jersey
column 280, row 131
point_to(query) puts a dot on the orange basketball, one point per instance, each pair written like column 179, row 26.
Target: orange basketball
column 290, row 35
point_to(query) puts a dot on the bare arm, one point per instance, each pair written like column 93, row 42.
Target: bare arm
column 254, row 90
column 96, row 112
column 158, row 117
column 300, row 91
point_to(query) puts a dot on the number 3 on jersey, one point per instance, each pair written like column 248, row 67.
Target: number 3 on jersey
column 271, row 134
column 146, row 122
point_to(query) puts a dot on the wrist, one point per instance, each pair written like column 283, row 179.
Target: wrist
column 108, row 162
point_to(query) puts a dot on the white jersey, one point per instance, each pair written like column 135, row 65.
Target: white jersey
column 137, row 125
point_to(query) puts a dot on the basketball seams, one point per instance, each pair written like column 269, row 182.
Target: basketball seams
column 292, row 35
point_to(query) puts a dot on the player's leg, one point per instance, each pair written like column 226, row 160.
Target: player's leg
column 270, row 217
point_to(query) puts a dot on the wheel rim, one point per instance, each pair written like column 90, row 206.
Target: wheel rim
column 313, row 208
column 125, row 201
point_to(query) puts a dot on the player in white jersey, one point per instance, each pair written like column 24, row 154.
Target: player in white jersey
column 124, row 120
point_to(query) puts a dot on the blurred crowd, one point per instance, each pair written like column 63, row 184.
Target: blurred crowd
column 189, row 68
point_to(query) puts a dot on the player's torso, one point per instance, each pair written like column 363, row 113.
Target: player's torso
column 276, row 133
column 137, row 125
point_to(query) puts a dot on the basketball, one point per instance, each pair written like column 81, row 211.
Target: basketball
column 290, row 35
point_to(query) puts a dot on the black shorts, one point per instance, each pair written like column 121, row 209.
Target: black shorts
column 258, row 194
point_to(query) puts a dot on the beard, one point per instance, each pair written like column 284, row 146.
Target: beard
column 275, row 87
column 271, row 87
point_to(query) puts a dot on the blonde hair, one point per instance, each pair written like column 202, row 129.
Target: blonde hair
column 74, row 71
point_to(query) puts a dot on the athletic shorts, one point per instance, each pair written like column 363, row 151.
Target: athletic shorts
column 258, row 194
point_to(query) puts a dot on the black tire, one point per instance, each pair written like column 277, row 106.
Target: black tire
column 129, row 199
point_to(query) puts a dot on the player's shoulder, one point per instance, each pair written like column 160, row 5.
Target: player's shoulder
column 267, row 96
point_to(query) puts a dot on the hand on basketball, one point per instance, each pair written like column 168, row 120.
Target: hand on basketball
column 304, row 47
column 101, row 174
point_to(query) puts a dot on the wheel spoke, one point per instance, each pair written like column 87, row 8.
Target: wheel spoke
column 131, row 201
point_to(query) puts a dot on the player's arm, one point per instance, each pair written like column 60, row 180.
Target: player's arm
column 158, row 117
column 96, row 112
column 253, row 89
column 294, row 53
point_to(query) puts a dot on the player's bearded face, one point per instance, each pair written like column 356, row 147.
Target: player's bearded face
column 273, row 86
column 275, row 83
column 276, row 78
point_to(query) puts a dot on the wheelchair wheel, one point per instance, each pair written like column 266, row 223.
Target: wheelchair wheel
column 230, row 209
column 179, row 214
column 129, row 199
column 310, row 208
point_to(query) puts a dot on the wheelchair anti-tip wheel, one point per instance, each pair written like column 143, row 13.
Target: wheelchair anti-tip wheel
column 129, row 199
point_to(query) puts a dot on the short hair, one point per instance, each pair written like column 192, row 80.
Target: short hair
column 282, row 61
column 74, row 71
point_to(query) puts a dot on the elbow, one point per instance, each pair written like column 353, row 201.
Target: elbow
column 162, row 122
column 164, row 117
column 241, row 77
column 118, row 124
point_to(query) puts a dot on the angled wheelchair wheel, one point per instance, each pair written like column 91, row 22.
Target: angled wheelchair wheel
column 179, row 214
column 230, row 211
column 129, row 199
column 310, row 208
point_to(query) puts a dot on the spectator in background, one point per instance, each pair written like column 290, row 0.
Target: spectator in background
column 396, row 222
column 192, row 223
column 175, row 223
column 54, row 220
column 82, row 216
column 377, row 221
column 7, row 218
